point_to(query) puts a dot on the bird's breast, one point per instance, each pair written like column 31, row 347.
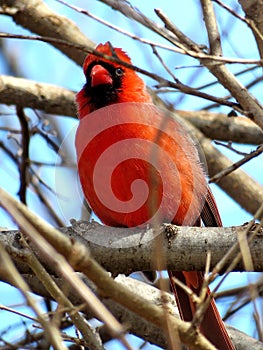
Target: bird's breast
column 137, row 164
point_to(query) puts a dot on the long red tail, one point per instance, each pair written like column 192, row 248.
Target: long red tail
column 212, row 325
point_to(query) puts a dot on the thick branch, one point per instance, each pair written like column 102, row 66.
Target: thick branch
column 121, row 250
column 27, row 93
column 218, row 126
column 36, row 16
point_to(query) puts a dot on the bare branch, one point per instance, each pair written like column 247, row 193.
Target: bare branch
column 221, row 127
column 236, row 165
column 185, row 40
column 26, row 93
column 121, row 250
column 36, row 16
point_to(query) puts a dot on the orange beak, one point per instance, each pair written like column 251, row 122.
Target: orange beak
column 100, row 76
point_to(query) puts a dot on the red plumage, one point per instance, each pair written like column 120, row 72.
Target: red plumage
column 138, row 165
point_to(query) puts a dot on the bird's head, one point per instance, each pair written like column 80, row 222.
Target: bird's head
column 109, row 82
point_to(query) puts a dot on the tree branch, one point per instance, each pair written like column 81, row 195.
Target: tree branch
column 37, row 17
column 122, row 250
column 27, row 93
column 218, row 126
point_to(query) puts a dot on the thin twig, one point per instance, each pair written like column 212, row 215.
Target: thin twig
column 24, row 163
column 185, row 40
column 46, row 137
column 216, row 178
column 168, row 70
column 229, row 146
column 22, row 314
column 50, row 208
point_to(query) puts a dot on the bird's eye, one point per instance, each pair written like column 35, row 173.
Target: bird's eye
column 119, row 72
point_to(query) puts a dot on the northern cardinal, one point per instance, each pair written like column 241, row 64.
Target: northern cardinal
column 137, row 165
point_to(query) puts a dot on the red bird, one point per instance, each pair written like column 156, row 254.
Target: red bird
column 137, row 165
